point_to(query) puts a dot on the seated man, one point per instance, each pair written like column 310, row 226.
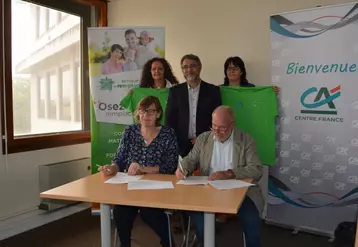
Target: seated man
column 227, row 153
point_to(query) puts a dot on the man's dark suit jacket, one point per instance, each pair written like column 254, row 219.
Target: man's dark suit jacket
column 177, row 112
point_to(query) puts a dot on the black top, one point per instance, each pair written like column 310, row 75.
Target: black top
column 162, row 151
column 247, row 84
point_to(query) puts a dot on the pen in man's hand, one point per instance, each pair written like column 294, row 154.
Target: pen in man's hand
column 182, row 170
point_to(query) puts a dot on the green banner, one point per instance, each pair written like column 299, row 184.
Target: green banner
column 105, row 138
column 117, row 56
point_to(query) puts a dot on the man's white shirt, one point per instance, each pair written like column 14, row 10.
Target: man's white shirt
column 221, row 159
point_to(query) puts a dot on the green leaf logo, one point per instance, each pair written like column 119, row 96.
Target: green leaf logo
column 106, row 84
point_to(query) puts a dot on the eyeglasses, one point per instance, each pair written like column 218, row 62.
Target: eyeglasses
column 148, row 111
column 191, row 66
column 220, row 129
column 234, row 69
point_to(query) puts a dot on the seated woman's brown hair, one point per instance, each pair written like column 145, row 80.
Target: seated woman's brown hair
column 145, row 103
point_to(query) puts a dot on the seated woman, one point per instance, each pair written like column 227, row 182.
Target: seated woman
column 145, row 148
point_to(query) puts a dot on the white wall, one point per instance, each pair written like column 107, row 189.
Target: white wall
column 212, row 29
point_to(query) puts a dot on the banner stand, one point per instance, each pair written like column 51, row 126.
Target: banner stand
column 297, row 230
column 314, row 62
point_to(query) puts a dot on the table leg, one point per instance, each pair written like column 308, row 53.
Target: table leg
column 209, row 230
column 105, row 225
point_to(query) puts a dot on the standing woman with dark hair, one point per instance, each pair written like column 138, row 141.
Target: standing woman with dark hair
column 157, row 73
column 235, row 74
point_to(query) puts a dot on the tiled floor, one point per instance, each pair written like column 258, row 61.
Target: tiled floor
column 83, row 230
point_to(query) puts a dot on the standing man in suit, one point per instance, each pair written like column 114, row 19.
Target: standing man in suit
column 191, row 104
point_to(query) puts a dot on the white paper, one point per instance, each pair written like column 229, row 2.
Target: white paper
column 229, row 184
column 122, row 178
column 194, row 180
column 150, row 185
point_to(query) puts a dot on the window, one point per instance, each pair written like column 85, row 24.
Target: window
column 43, row 18
column 63, row 15
column 79, row 93
column 53, row 85
column 42, row 98
column 43, row 86
column 68, row 87
column 22, row 107
column 53, row 18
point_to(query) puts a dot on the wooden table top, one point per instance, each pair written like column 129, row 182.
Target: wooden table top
column 182, row 197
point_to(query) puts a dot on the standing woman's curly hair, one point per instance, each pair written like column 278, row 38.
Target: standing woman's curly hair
column 147, row 80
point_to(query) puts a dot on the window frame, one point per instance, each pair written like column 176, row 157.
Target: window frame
column 11, row 144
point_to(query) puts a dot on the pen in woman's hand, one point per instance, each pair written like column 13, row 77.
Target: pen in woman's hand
column 104, row 168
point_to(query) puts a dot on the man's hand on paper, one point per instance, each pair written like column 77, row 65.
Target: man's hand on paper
column 179, row 174
column 134, row 169
column 221, row 175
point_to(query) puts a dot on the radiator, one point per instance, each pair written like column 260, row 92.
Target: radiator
column 54, row 175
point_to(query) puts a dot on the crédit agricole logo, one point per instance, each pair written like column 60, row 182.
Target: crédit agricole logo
column 319, row 104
